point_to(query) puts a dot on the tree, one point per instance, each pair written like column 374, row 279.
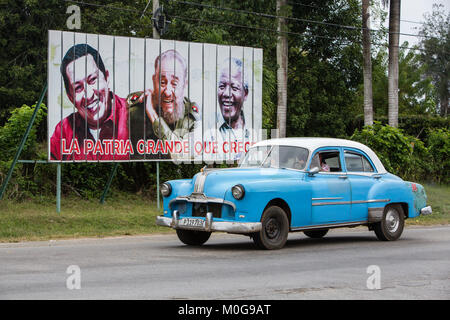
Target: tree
column 325, row 69
column 282, row 62
column 436, row 54
column 24, row 26
column 367, row 66
column 23, row 35
column 394, row 38
column 416, row 92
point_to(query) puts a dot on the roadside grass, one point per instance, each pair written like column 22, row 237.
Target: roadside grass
column 128, row 214
column 36, row 219
column 439, row 200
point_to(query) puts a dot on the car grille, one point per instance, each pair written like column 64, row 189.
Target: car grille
column 200, row 209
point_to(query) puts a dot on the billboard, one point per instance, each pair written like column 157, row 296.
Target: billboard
column 134, row 99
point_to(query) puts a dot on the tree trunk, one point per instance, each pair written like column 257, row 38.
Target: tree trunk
column 367, row 67
column 444, row 105
column 394, row 30
column 282, row 61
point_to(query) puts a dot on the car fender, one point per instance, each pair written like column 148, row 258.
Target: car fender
column 392, row 191
column 258, row 194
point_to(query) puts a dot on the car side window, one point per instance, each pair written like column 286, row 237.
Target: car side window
column 367, row 166
column 327, row 161
column 356, row 162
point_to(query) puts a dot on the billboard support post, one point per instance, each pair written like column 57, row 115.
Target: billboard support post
column 156, row 35
column 108, row 184
column 157, row 184
column 58, row 188
column 24, row 139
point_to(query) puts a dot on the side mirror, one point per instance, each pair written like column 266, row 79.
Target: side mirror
column 313, row 171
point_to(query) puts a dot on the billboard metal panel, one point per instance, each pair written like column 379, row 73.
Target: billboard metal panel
column 133, row 99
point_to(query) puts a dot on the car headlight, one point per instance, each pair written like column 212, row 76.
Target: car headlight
column 238, row 191
column 166, row 189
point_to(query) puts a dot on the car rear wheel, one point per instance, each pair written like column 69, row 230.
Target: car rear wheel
column 391, row 225
column 274, row 231
column 193, row 237
column 316, row 234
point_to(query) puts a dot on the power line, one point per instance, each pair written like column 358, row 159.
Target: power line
column 304, row 5
column 409, row 21
column 265, row 15
column 102, row 5
column 254, row 13
column 317, row 7
column 249, row 27
column 145, row 8
column 287, row 32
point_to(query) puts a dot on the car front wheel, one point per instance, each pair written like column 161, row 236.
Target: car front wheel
column 274, row 231
column 391, row 225
column 193, row 237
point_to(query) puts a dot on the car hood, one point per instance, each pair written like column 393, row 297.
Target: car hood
column 218, row 181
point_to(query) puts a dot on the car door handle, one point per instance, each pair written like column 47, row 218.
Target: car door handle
column 343, row 177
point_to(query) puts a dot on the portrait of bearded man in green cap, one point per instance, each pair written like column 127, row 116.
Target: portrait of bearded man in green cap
column 169, row 114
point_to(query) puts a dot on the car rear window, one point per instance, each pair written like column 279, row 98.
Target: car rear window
column 356, row 162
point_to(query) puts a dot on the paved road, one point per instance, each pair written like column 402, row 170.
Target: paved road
column 229, row 267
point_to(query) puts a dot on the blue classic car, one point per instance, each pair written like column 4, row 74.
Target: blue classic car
column 292, row 184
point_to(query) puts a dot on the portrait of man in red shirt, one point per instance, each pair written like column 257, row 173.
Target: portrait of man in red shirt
column 99, row 124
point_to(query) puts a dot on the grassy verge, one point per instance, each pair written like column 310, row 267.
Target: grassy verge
column 125, row 214
column 37, row 219
column 439, row 200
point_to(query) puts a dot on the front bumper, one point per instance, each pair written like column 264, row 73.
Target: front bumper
column 210, row 225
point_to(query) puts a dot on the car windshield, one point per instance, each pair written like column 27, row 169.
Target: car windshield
column 276, row 157
column 255, row 156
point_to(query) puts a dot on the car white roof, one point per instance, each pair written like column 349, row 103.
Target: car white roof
column 312, row 144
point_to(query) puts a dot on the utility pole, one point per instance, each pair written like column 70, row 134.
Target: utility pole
column 156, row 36
column 155, row 7
column 282, row 61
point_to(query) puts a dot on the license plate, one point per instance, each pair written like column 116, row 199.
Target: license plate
column 192, row 223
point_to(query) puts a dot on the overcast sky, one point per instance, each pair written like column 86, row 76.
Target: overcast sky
column 413, row 10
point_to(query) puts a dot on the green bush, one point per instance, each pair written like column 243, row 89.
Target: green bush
column 391, row 146
column 416, row 125
column 12, row 132
column 400, row 154
column 23, row 181
column 439, row 148
column 406, row 156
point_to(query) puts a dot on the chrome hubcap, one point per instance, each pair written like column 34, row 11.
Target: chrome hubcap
column 272, row 228
column 392, row 221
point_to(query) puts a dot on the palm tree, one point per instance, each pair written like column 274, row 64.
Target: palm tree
column 282, row 60
column 367, row 66
column 394, row 35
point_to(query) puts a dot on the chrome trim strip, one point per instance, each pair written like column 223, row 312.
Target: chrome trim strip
column 371, row 201
column 329, row 226
column 350, row 202
column 375, row 214
column 336, row 198
column 331, row 203
column 208, row 221
column 201, row 198
column 174, row 221
column 200, row 183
